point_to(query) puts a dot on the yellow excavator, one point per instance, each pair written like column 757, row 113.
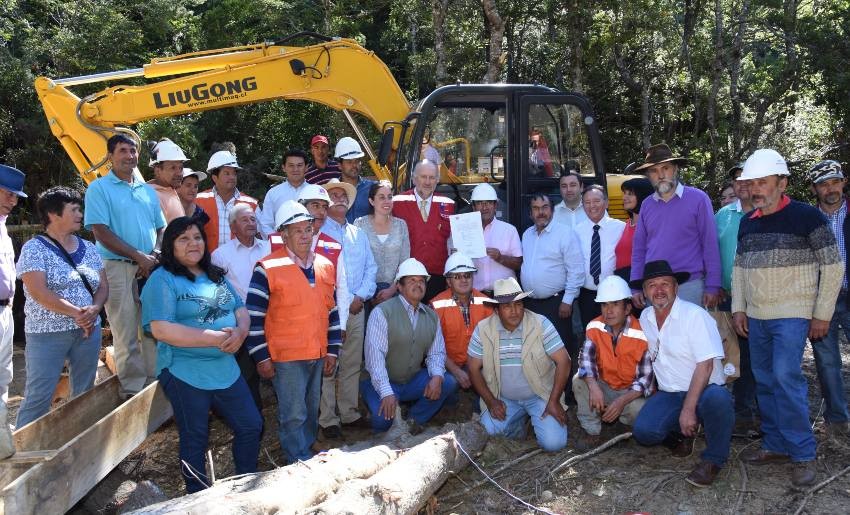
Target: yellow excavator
column 519, row 137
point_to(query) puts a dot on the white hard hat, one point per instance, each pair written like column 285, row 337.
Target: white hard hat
column 764, row 162
column 411, row 266
column 313, row 192
column 484, row 192
column 348, row 148
column 612, row 289
column 290, row 212
column 200, row 175
column 167, row 150
column 222, row 158
column 459, row 262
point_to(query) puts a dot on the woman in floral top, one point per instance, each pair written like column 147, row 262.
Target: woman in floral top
column 62, row 315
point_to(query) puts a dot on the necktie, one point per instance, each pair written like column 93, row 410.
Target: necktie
column 595, row 254
column 423, row 209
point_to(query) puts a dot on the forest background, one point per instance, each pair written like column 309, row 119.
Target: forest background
column 715, row 79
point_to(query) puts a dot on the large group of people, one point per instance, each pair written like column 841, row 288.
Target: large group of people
column 336, row 291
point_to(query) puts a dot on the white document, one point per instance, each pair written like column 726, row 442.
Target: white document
column 468, row 234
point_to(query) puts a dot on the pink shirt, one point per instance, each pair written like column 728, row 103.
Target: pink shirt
column 503, row 236
column 7, row 262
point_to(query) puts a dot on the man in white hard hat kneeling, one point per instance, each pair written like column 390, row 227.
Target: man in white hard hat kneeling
column 519, row 367
column 295, row 336
column 402, row 332
column 615, row 372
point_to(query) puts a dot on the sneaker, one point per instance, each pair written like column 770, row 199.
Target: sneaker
column 803, row 473
column 763, row 457
column 331, row 432
column 703, row 474
column 360, row 423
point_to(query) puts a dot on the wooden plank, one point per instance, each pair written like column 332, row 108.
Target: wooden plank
column 55, row 485
column 59, row 426
column 27, row 457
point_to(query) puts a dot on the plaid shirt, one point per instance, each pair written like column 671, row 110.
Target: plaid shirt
column 588, row 366
column 836, row 223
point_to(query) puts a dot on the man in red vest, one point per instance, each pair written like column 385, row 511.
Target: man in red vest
column 615, row 372
column 427, row 218
column 218, row 201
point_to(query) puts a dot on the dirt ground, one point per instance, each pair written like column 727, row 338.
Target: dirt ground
column 626, row 478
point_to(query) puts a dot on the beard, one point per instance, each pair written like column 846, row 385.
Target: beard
column 664, row 187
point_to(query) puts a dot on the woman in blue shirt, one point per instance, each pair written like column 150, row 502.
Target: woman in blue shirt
column 199, row 322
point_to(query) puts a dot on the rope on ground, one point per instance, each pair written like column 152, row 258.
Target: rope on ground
column 811, row 492
column 592, row 452
column 526, row 504
column 743, row 491
column 496, row 472
column 193, row 473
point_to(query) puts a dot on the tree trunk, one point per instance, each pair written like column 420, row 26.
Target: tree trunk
column 711, row 104
column 496, row 30
column 389, row 478
column 439, row 9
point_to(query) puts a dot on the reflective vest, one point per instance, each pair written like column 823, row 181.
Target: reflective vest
column 325, row 245
column 206, row 201
column 297, row 318
column 427, row 239
column 617, row 368
column 455, row 331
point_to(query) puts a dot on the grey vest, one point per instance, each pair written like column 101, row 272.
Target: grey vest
column 406, row 347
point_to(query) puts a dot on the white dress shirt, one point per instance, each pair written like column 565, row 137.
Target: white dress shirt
column 610, row 231
column 551, row 262
column 239, row 261
column 567, row 216
column 503, row 236
column 689, row 335
column 275, row 197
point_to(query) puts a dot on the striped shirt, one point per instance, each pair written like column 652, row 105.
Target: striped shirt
column 316, row 175
column 377, row 345
column 514, row 385
column 836, row 223
column 223, row 213
column 258, row 305
column 588, row 364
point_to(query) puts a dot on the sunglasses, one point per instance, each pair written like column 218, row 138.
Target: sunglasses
column 464, row 275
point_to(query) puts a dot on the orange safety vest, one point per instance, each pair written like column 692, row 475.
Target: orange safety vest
column 297, row 318
column 206, row 200
column 617, row 368
column 455, row 332
column 325, row 245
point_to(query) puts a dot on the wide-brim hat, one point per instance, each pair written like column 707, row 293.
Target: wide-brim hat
column 12, row 179
column 660, row 153
column 350, row 190
column 660, row 268
column 506, row 291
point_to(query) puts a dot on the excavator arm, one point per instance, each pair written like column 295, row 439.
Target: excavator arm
column 338, row 73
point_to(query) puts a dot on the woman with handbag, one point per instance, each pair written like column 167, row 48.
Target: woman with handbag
column 65, row 289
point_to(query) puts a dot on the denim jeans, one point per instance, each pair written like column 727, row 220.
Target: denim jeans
column 692, row 291
column 776, row 352
column 191, row 413
column 298, row 385
column 828, row 363
column 551, row 435
column 45, row 356
column 412, row 391
column 660, row 416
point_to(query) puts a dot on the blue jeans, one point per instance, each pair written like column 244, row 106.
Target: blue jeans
column 660, row 416
column 412, row 391
column 192, row 414
column 776, row 352
column 828, row 363
column 551, row 435
column 45, row 356
column 298, row 385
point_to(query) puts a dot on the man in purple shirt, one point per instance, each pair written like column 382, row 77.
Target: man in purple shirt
column 677, row 225
column 11, row 188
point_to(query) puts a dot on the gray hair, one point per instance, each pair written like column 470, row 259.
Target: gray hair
column 237, row 210
column 426, row 162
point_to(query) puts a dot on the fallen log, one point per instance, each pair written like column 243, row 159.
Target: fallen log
column 308, row 486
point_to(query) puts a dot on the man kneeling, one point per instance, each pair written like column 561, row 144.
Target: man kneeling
column 615, row 373
column 518, row 355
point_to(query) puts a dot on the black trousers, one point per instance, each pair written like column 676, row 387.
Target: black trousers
column 588, row 306
column 549, row 307
column 249, row 372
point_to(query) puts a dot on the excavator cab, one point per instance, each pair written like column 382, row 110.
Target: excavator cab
column 519, row 138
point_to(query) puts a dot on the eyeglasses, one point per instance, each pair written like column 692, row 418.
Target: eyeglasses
column 465, row 275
